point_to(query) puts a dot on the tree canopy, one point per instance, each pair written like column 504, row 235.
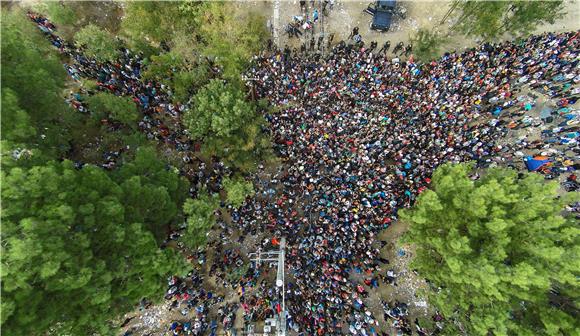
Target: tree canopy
column 491, row 19
column 194, row 32
column 16, row 123
column 199, row 50
column 81, row 246
column 153, row 192
column 495, row 248
column 106, row 105
column 77, row 249
column 218, row 109
column 237, row 189
column 71, row 16
column 149, row 23
column 60, row 13
column 228, row 42
column 34, row 113
column 178, row 73
column 228, row 123
column 200, row 218
column 97, row 43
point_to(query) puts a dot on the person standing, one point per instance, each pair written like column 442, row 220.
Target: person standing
column 353, row 33
column 385, row 47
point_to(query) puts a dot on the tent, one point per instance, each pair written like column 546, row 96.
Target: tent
column 535, row 163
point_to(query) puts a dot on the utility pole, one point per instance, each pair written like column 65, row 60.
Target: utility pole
column 279, row 258
column 280, row 282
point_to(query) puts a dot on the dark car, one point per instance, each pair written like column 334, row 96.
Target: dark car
column 383, row 12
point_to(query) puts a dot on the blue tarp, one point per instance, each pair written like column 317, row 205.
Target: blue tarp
column 535, row 164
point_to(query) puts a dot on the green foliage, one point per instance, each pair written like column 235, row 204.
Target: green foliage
column 16, row 124
column 59, row 12
column 23, row 48
column 107, row 105
column 153, row 192
column 142, row 21
column 231, row 40
column 219, row 109
column 75, row 253
column 136, row 139
column 229, row 125
column 495, row 247
column 89, row 84
column 200, row 218
column 427, row 44
column 185, row 42
column 162, row 66
column 182, row 77
column 242, row 149
column 237, row 190
column 97, row 43
column 34, row 113
column 491, row 19
column 148, row 23
column 185, row 82
column 78, row 246
column 194, row 30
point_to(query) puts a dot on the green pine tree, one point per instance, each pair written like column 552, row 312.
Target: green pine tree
column 237, row 190
column 107, row 105
column 493, row 249
column 228, row 124
column 200, row 218
column 34, row 113
column 77, row 249
column 97, row 43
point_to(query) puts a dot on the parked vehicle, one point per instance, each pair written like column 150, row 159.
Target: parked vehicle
column 382, row 12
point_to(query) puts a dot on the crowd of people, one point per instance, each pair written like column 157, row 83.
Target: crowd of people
column 360, row 135
column 305, row 22
column 188, row 295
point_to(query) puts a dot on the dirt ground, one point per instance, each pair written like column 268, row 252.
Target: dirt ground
column 349, row 14
column 409, row 286
column 345, row 15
